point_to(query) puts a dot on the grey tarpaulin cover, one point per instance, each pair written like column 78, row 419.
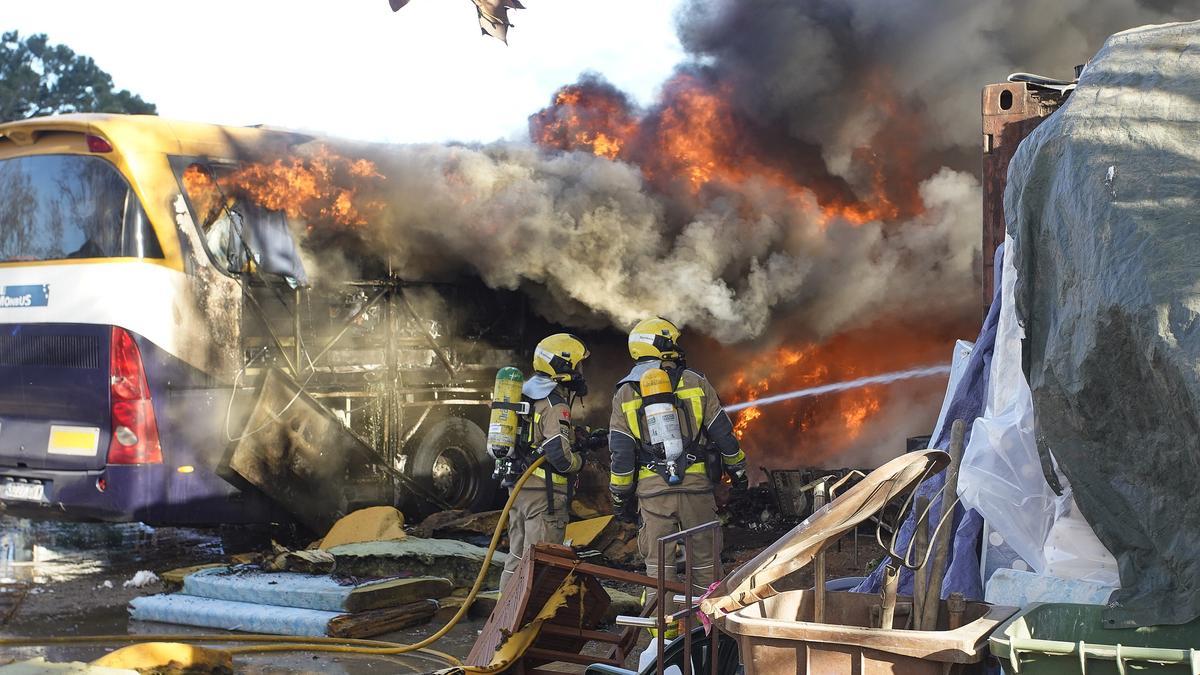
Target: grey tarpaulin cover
column 1103, row 204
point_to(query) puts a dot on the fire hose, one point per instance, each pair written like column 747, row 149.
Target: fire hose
column 278, row 643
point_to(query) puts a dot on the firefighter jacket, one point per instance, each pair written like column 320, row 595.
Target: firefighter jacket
column 701, row 417
column 549, row 431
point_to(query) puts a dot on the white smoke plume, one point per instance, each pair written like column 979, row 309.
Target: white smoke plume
column 593, row 243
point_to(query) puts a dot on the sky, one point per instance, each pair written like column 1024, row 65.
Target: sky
column 354, row 68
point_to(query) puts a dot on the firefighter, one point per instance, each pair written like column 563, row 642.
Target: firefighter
column 670, row 483
column 539, row 514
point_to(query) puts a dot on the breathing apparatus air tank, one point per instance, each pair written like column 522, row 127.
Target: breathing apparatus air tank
column 662, row 419
column 507, row 407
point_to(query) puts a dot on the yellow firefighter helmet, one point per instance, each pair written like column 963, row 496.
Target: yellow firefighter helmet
column 654, row 338
column 559, row 357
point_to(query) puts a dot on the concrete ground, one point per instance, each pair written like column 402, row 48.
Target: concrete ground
column 69, row 579
column 72, row 577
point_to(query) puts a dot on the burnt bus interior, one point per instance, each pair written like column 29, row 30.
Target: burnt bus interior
column 405, row 367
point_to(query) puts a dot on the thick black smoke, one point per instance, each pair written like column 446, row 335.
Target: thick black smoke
column 882, row 95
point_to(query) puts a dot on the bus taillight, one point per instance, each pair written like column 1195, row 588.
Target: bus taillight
column 135, row 430
column 97, row 144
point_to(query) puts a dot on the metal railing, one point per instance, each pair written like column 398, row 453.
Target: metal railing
column 688, row 612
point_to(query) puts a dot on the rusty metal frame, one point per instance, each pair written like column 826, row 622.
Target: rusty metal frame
column 1010, row 112
column 395, row 398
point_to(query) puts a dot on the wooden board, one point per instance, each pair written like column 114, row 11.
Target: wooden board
column 379, row 621
column 526, row 593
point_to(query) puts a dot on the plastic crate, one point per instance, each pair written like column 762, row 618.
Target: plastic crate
column 1062, row 639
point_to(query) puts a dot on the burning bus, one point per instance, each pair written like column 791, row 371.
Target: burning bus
column 164, row 356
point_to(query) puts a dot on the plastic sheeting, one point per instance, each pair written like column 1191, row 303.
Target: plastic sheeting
column 1014, row 588
column 1102, row 206
column 1001, row 475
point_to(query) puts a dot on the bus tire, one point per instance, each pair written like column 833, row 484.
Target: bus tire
column 452, row 458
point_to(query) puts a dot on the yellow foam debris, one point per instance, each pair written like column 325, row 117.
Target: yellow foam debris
column 376, row 523
column 584, row 532
column 176, row 576
column 150, row 655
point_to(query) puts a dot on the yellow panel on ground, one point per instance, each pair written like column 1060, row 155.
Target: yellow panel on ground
column 584, row 532
column 376, row 523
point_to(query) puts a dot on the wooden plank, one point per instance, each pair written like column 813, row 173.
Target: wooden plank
column 596, row 635
column 551, row 656
column 527, row 593
column 379, row 621
column 607, row 572
column 505, row 618
column 176, row 575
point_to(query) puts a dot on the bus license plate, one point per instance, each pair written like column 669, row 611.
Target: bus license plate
column 32, row 492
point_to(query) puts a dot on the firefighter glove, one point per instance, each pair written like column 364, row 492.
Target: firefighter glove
column 587, row 440
column 625, row 507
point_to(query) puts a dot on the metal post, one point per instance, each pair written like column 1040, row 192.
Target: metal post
column 856, row 547
column 687, row 604
column 296, row 333
column 388, row 402
column 713, row 635
column 820, row 498
column 689, row 608
column 659, row 592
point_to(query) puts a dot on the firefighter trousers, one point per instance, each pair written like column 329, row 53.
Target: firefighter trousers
column 667, row 510
column 530, row 522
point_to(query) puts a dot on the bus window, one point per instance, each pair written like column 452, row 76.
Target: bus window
column 218, row 217
column 239, row 234
column 55, row 207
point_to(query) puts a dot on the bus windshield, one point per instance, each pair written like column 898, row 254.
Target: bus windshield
column 56, row 207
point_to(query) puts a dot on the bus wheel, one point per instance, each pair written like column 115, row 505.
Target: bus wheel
column 453, row 461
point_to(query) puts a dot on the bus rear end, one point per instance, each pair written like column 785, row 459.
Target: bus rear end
column 99, row 418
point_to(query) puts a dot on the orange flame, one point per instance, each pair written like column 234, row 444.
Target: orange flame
column 812, row 430
column 586, row 118
column 696, row 137
column 322, row 189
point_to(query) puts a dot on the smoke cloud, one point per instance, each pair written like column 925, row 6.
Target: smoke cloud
column 590, row 239
column 804, row 192
column 813, row 159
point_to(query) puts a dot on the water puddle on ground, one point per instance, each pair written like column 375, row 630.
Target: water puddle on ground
column 41, row 552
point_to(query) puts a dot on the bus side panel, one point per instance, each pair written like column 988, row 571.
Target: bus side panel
column 191, row 412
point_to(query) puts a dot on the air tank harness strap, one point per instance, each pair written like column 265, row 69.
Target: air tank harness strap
column 521, row 408
column 546, row 472
column 659, row 468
